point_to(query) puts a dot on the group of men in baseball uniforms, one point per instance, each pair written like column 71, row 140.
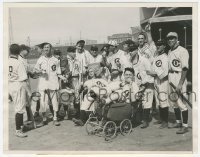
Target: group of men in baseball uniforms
column 106, row 77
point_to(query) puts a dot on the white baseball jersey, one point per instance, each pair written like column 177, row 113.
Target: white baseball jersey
column 160, row 65
column 178, row 59
column 120, row 59
column 28, row 69
column 140, row 69
column 147, row 51
column 101, row 83
column 25, row 62
column 17, row 76
column 51, row 66
column 92, row 59
column 82, row 57
column 17, row 70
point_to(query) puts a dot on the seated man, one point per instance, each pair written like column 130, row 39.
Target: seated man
column 124, row 91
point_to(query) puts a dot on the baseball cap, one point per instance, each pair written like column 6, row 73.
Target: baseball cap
column 113, row 43
column 43, row 44
column 172, row 34
column 160, row 42
column 80, row 42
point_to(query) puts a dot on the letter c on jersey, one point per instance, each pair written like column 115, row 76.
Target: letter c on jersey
column 53, row 67
column 158, row 63
column 138, row 76
column 176, row 63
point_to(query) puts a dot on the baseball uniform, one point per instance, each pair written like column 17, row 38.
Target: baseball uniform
column 160, row 67
column 17, row 76
column 147, row 51
column 51, row 68
column 119, row 61
column 142, row 78
column 178, row 59
column 28, row 69
column 91, row 59
column 96, row 85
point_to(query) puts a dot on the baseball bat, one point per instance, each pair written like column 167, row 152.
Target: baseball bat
column 184, row 98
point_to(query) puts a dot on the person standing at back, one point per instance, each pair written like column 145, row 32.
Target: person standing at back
column 17, row 77
column 178, row 67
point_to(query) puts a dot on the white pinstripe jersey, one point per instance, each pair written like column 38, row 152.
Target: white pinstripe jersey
column 140, row 69
column 160, row 65
column 178, row 59
column 17, row 71
column 52, row 68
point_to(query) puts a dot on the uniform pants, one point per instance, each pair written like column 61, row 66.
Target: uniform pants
column 51, row 99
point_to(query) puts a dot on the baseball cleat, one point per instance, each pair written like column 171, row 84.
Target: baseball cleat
column 42, row 124
column 182, row 130
column 36, row 114
column 56, row 123
column 144, row 125
column 175, row 125
column 163, row 125
column 157, row 122
column 19, row 133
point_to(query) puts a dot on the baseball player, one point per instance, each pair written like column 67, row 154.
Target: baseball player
column 17, row 77
column 144, row 48
column 91, row 87
column 178, row 67
column 93, row 56
column 65, row 72
column 160, row 74
column 78, row 69
column 23, row 58
column 145, row 82
column 117, row 61
column 124, row 91
column 48, row 83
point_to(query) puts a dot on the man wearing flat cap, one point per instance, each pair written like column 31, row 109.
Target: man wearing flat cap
column 178, row 66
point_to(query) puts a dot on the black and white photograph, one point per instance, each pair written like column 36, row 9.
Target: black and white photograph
column 106, row 77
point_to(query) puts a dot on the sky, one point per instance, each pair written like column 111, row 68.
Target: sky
column 62, row 24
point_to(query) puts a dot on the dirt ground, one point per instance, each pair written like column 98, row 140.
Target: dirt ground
column 68, row 137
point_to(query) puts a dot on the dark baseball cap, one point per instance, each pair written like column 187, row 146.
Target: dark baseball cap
column 80, row 42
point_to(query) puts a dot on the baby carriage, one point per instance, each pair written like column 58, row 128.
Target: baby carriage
column 108, row 120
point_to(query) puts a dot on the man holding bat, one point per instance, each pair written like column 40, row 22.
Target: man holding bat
column 178, row 66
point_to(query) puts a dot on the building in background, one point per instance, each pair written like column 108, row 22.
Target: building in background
column 120, row 37
column 170, row 19
column 135, row 32
column 90, row 42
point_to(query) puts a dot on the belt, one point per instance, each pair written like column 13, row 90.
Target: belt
column 174, row 72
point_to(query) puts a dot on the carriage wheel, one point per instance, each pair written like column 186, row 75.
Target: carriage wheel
column 125, row 127
column 110, row 129
column 92, row 125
